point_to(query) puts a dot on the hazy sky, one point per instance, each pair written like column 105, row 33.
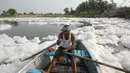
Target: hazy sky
column 42, row 6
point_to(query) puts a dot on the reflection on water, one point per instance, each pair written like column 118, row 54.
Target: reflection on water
column 31, row 31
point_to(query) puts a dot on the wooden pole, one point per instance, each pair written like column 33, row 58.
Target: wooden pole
column 38, row 52
column 88, row 59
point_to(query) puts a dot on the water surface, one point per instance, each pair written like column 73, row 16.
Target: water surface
column 34, row 30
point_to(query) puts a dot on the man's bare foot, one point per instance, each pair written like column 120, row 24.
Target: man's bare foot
column 43, row 71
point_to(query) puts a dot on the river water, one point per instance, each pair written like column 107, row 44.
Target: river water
column 34, row 30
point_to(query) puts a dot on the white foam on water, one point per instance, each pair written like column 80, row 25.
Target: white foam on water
column 5, row 27
column 97, row 38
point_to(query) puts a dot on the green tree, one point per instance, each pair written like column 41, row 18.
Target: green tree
column 109, row 6
column 81, row 7
column 4, row 13
column 93, row 5
column 31, row 13
column 66, row 10
column 12, row 12
column 24, row 13
column 72, row 11
column 102, row 5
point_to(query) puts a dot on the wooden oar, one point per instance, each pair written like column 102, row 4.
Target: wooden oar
column 88, row 59
column 38, row 52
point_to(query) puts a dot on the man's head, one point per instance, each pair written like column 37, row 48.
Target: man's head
column 66, row 28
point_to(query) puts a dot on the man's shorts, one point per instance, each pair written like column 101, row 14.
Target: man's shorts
column 59, row 52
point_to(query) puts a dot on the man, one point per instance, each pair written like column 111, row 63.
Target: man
column 66, row 42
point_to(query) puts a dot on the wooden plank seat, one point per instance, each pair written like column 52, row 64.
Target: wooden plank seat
column 76, row 52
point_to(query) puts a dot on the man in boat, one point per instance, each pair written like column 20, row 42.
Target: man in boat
column 66, row 42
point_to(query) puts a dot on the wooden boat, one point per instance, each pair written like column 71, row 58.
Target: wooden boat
column 42, row 60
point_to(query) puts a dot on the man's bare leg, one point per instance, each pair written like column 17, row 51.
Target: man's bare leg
column 73, row 64
column 50, row 66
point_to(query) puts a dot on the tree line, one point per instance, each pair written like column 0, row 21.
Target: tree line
column 94, row 8
column 87, row 8
column 12, row 12
column 9, row 12
column 90, row 7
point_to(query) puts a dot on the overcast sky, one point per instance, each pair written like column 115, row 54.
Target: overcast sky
column 42, row 6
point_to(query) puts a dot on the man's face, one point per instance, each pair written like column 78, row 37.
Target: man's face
column 66, row 31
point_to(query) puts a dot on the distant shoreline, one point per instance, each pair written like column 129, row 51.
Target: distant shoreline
column 57, row 16
column 68, row 16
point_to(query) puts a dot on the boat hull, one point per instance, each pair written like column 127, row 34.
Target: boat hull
column 41, row 61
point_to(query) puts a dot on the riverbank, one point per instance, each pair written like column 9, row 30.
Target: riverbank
column 61, row 16
column 53, row 15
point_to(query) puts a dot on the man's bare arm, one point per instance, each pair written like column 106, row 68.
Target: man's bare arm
column 59, row 39
column 73, row 41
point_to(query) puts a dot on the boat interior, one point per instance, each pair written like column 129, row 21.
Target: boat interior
column 42, row 62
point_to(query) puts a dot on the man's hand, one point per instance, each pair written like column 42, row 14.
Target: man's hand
column 68, row 48
column 65, row 51
column 59, row 41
